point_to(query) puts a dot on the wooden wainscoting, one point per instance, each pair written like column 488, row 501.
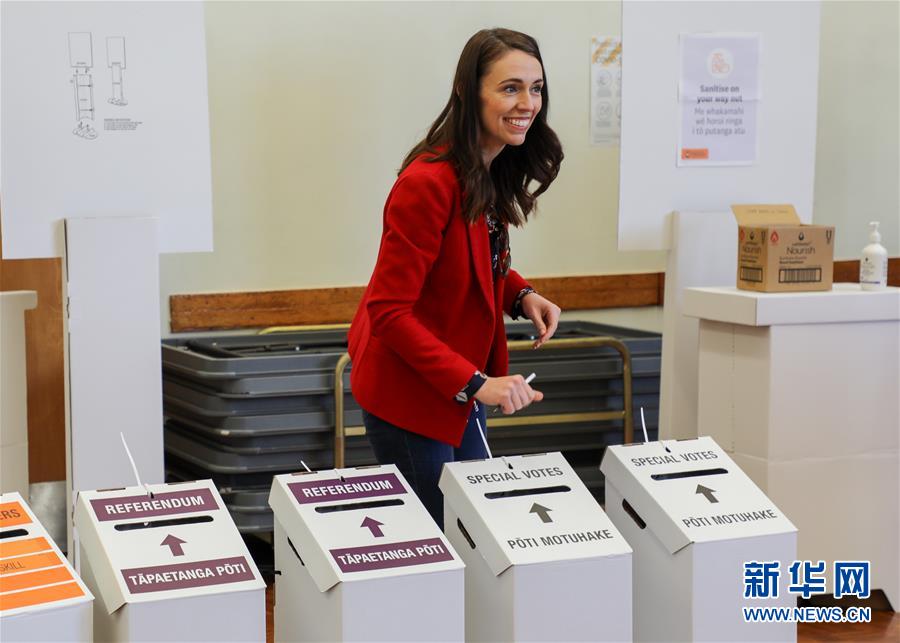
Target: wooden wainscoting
column 224, row 311
column 44, row 364
column 336, row 305
column 848, row 271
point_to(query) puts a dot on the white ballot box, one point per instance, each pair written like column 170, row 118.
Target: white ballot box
column 168, row 565
column 41, row 597
column 543, row 562
column 694, row 519
column 358, row 558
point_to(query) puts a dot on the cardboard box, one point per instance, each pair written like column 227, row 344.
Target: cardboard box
column 358, row 558
column 41, row 596
column 694, row 518
column 777, row 253
column 543, row 562
column 169, row 566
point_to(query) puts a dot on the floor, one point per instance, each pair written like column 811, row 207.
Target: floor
column 884, row 628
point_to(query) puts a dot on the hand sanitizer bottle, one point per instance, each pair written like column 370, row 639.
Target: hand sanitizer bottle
column 874, row 263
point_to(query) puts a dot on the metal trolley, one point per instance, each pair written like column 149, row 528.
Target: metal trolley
column 625, row 414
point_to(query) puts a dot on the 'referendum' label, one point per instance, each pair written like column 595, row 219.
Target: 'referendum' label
column 315, row 491
column 167, row 503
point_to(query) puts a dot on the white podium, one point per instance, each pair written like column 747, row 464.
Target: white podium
column 802, row 390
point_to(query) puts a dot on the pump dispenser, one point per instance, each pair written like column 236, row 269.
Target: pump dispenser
column 874, row 263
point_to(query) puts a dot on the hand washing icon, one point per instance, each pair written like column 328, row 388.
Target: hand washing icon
column 720, row 63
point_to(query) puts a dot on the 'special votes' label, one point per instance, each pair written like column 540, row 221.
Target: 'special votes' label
column 166, row 503
column 202, row 573
column 680, row 458
column 332, row 489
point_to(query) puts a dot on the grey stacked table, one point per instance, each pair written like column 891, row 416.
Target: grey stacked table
column 241, row 409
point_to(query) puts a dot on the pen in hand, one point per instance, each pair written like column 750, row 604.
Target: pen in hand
column 528, row 380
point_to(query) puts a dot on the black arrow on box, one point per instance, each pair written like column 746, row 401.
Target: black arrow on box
column 706, row 491
column 542, row 511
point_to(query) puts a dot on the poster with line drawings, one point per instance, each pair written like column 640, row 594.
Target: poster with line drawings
column 81, row 57
column 606, row 90
column 104, row 113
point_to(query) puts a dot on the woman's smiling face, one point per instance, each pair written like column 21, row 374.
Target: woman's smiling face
column 510, row 100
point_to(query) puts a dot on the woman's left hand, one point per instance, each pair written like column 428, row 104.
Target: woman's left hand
column 543, row 313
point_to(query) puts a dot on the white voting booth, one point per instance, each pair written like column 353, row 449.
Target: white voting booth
column 166, row 563
column 13, row 391
column 802, row 390
column 41, row 596
column 694, row 518
column 89, row 138
column 543, row 562
column 358, row 558
column 653, row 183
column 703, row 253
column 114, row 359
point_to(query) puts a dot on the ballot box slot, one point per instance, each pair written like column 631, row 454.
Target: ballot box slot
column 465, row 533
column 633, row 514
column 296, row 553
column 697, row 473
column 13, row 533
column 534, row 491
column 171, row 522
column 351, row 506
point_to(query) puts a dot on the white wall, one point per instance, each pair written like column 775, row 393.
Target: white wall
column 313, row 105
column 858, row 139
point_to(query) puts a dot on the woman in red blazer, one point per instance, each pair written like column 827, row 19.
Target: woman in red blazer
column 428, row 342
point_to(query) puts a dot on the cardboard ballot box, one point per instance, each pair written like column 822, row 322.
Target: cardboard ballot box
column 41, row 597
column 169, row 566
column 777, row 253
column 694, row 518
column 358, row 558
column 543, row 562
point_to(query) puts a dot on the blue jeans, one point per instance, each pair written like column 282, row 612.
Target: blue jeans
column 420, row 459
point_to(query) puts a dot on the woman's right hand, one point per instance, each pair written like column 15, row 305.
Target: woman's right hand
column 510, row 393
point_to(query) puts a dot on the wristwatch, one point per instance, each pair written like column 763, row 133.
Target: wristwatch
column 475, row 382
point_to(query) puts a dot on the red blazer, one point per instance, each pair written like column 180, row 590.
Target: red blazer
column 432, row 313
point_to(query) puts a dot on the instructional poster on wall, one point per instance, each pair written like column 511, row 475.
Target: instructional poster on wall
column 104, row 114
column 606, row 90
column 719, row 94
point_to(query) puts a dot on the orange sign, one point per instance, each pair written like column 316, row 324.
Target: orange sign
column 12, row 514
column 28, row 563
column 32, row 580
column 692, row 154
column 21, row 547
column 39, row 596
column 32, row 571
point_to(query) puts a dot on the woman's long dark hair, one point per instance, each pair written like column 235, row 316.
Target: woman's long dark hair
column 454, row 136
